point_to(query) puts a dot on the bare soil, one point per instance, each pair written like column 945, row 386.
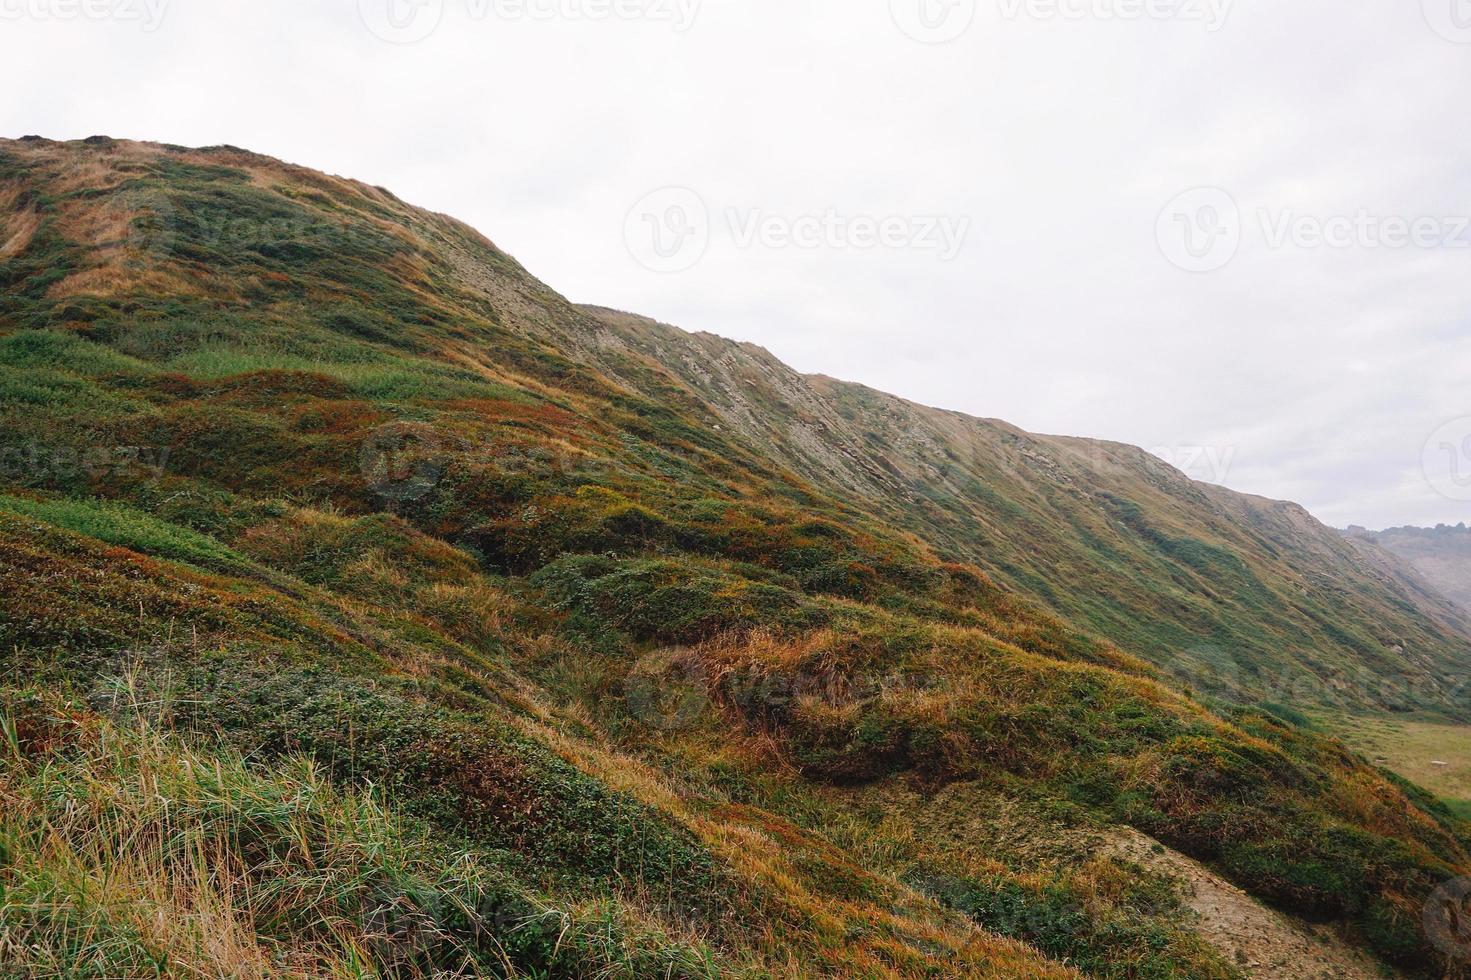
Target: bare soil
column 1262, row 942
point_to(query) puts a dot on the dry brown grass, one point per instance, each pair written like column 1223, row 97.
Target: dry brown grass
column 16, row 232
column 18, row 224
column 98, row 223
column 886, row 931
column 120, row 279
column 132, row 871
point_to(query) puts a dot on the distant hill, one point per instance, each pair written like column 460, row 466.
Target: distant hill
column 1441, row 554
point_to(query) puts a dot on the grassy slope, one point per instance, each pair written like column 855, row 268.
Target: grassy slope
column 335, row 497
column 1242, row 597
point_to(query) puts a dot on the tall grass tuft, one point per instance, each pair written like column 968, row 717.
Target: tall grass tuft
column 126, row 853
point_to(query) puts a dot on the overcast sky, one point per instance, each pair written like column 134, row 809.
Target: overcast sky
column 1235, row 233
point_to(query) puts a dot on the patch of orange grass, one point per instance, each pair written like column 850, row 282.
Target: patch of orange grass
column 768, row 650
column 890, row 931
column 124, row 279
column 1371, row 801
column 16, row 230
column 97, row 223
column 103, row 225
column 83, row 172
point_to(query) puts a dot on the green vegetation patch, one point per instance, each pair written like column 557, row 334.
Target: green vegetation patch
column 119, row 524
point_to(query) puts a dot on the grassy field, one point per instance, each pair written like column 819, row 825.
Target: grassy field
column 1433, row 755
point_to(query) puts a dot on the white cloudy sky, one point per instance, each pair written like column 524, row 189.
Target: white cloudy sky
column 1061, row 144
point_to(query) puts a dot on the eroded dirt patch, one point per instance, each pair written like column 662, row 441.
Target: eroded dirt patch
column 1262, row 942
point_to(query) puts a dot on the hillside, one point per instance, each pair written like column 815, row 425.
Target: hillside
column 1240, row 596
column 1441, row 554
column 373, row 610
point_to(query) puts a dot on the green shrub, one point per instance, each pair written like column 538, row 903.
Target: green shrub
column 667, row 600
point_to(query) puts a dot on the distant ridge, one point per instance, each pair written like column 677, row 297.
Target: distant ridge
column 1441, row 554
